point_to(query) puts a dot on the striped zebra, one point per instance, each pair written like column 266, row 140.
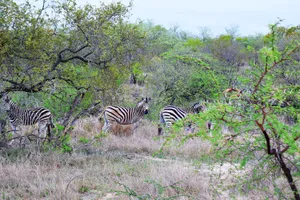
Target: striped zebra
column 170, row 114
column 19, row 116
column 124, row 116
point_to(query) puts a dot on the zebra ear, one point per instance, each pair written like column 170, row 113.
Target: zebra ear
column 147, row 100
column 197, row 105
column 6, row 98
column 140, row 103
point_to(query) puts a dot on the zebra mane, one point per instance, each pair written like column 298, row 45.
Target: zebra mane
column 6, row 98
column 7, row 102
column 197, row 107
column 143, row 101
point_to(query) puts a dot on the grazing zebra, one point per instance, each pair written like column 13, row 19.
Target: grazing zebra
column 19, row 116
column 124, row 116
column 170, row 114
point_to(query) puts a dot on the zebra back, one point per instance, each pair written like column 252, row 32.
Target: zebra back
column 195, row 109
column 127, row 116
column 31, row 116
column 171, row 113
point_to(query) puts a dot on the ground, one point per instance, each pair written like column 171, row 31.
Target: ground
column 124, row 167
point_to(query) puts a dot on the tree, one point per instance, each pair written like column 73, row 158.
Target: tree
column 254, row 115
column 204, row 33
column 232, row 31
column 63, row 50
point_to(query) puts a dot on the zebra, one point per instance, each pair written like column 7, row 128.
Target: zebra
column 170, row 114
column 124, row 116
column 19, row 116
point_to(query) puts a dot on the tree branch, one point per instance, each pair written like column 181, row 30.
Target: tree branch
column 78, row 98
column 267, row 138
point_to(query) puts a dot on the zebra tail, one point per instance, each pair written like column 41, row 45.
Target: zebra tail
column 49, row 127
column 161, row 118
column 51, row 123
column 100, row 116
column 159, row 126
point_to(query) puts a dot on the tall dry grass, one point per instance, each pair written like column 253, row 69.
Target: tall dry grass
column 59, row 176
column 144, row 139
column 56, row 176
column 118, row 160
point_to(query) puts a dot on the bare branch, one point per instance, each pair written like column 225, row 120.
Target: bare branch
column 78, row 98
column 267, row 138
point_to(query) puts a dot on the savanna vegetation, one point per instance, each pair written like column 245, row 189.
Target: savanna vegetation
column 75, row 60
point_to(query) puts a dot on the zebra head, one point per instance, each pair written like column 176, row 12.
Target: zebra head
column 6, row 102
column 197, row 108
column 144, row 105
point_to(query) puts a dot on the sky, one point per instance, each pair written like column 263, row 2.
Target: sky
column 251, row 16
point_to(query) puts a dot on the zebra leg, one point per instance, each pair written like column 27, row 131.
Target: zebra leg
column 107, row 126
column 168, row 126
column 14, row 128
column 209, row 127
column 189, row 129
column 135, row 126
column 159, row 129
column 193, row 129
column 42, row 132
column 14, row 133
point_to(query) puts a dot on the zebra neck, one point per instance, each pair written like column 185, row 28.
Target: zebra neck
column 14, row 109
column 138, row 113
column 189, row 110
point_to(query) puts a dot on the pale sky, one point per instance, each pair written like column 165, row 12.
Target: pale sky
column 252, row 16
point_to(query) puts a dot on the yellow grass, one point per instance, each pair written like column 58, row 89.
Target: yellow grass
column 98, row 169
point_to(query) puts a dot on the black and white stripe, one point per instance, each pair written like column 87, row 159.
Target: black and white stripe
column 170, row 114
column 19, row 116
column 125, row 116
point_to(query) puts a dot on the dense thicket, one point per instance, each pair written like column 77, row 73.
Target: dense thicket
column 73, row 57
column 75, row 60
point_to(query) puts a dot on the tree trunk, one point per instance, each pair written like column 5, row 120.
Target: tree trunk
column 132, row 79
column 2, row 126
column 288, row 175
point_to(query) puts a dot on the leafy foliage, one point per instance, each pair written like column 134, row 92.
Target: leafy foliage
column 62, row 50
column 162, row 191
column 258, row 110
column 76, row 60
